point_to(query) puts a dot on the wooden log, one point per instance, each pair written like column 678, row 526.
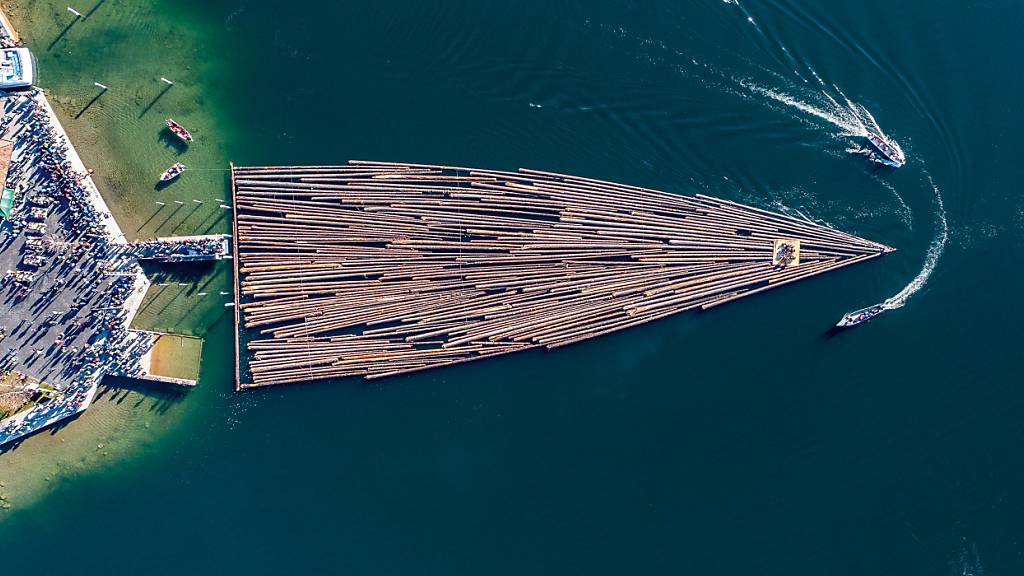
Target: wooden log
column 373, row 269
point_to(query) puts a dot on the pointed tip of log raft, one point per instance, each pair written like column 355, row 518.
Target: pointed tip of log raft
column 373, row 269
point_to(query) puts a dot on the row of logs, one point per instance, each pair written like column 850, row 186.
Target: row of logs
column 374, row 269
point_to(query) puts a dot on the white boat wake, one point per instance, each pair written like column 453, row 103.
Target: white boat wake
column 931, row 260
column 853, row 119
column 968, row 564
column 848, row 119
column 906, row 215
column 875, row 128
column 831, row 105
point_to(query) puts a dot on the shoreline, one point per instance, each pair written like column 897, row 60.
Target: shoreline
column 7, row 26
column 122, row 138
column 140, row 285
column 88, row 183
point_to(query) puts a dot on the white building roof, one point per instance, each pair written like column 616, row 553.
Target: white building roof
column 17, row 68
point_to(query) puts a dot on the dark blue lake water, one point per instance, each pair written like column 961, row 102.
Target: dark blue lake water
column 739, row 441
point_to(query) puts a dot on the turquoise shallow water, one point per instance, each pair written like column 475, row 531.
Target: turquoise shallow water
column 739, row 441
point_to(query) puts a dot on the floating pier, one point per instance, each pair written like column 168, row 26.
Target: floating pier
column 184, row 248
column 374, row 269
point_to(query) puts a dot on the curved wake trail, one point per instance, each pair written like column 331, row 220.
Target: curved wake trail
column 876, row 128
column 968, row 564
column 847, row 119
column 853, row 119
column 935, row 251
column 906, row 215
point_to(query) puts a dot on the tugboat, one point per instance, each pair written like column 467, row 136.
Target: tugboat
column 860, row 316
column 179, row 130
column 891, row 153
column 173, row 172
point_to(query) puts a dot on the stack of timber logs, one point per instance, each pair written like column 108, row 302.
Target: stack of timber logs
column 373, row 269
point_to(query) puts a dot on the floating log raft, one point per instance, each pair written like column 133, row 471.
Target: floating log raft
column 374, row 269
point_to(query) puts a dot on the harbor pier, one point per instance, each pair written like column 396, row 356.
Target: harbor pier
column 171, row 249
column 71, row 282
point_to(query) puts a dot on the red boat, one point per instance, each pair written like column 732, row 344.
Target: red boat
column 179, row 130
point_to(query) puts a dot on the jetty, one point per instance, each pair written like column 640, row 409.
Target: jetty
column 71, row 281
column 171, row 249
column 373, row 269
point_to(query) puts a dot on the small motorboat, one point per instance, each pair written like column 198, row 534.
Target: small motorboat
column 860, row 316
column 173, row 172
column 179, row 130
column 891, row 153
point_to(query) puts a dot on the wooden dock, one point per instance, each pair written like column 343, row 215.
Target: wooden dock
column 374, row 269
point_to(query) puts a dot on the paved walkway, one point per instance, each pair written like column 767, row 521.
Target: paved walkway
column 70, row 285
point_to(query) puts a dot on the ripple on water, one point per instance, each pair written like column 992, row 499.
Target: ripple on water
column 120, row 423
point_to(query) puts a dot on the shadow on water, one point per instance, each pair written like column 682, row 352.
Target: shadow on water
column 218, row 215
column 91, row 102
column 171, row 141
column 156, row 397
column 195, row 208
column 178, row 272
column 177, row 207
column 52, row 430
column 832, row 332
column 62, row 34
column 94, row 9
column 154, row 100
column 212, row 220
column 159, row 396
column 174, row 226
column 151, row 217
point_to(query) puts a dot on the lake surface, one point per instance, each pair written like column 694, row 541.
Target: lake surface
column 744, row 440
